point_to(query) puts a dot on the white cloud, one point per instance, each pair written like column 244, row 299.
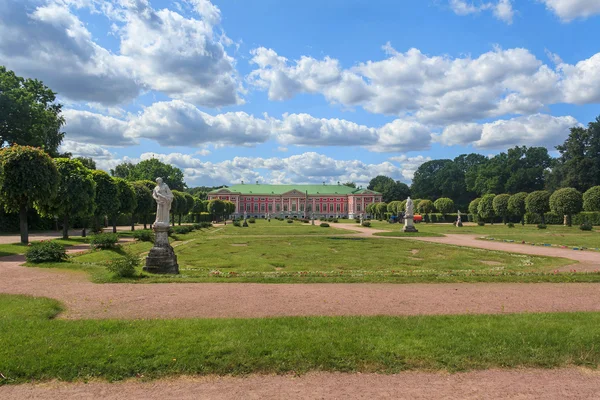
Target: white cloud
column 410, row 164
column 159, row 50
column 502, row 9
column 581, row 84
column 568, row 10
column 534, row 130
column 92, row 128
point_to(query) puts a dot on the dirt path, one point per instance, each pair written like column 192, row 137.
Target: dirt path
column 84, row 299
column 571, row 383
column 588, row 260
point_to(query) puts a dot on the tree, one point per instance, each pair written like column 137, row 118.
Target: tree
column 394, row 207
column 538, row 202
column 29, row 115
column 150, row 170
column 28, row 177
column 390, row 189
column 350, row 184
column 378, row 183
column 76, row 192
column 216, row 207
column 144, row 203
column 444, row 205
column 107, row 196
column 474, row 208
column 127, row 201
column 381, row 209
column 516, row 205
column 179, row 205
column 591, row 199
column 579, row 163
column 425, row 207
column 199, row 207
column 485, row 208
column 87, row 162
column 566, row 201
column 500, row 205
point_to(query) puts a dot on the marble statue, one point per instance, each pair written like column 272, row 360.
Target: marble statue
column 164, row 197
column 409, row 217
column 409, row 208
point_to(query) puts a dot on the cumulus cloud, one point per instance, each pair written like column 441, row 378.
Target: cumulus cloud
column 533, row 130
column 435, row 90
column 410, row 164
column 568, row 10
column 177, row 123
column 159, row 50
column 502, row 9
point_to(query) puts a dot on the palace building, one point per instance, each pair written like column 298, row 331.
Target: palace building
column 297, row 200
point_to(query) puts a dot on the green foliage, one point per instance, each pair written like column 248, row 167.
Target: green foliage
column 538, row 203
column 474, row 208
column 591, row 199
column 237, row 223
column 124, row 267
column 289, row 221
column 200, row 206
column 29, row 115
column 366, row 224
column 566, row 201
column 245, row 225
column 150, row 170
column 46, row 251
column 104, row 240
column 586, row 226
column 324, row 225
column 145, row 204
column 107, row 194
column 500, row 205
column 87, row 162
column 516, row 204
column 390, row 189
column 444, row 205
column 144, row 235
column 485, row 208
column 127, row 196
column 550, row 218
column 593, row 217
column 541, row 226
column 425, row 207
column 380, row 209
column 216, row 207
column 480, row 223
column 251, row 220
column 510, row 225
column 182, row 230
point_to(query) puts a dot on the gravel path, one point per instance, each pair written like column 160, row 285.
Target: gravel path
column 84, row 299
column 571, row 383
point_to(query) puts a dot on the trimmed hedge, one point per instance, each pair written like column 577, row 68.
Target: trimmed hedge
column 555, row 219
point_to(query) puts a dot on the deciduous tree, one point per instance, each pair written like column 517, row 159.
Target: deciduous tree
column 591, row 199
column 538, row 202
column 566, row 201
column 500, row 205
column 516, row 205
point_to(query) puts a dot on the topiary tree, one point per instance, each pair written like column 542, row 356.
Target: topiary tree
column 189, row 200
column 444, row 205
column 393, row 207
column 178, row 206
column 566, row 201
column 485, row 208
column 500, row 205
column 538, row 202
column 425, row 207
column 591, row 199
column 107, row 196
column 145, row 204
column 474, row 209
column 216, row 207
column 127, row 201
column 199, row 207
column 516, row 205
column 76, row 192
column 229, row 208
column 381, row 209
column 28, row 177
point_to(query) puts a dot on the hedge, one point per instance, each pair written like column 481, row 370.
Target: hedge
column 555, row 219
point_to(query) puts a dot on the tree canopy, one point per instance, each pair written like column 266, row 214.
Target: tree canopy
column 29, row 114
column 390, row 189
column 150, row 170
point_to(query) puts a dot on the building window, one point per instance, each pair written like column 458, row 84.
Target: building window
column 256, row 207
column 262, row 199
column 346, row 207
column 339, row 208
column 358, row 207
column 248, row 207
column 339, row 199
column 278, row 207
column 262, row 208
column 318, row 208
column 294, row 207
column 270, row 207
column 331, row 208
column 309, row 208
column 285, row 207
column 301, row 207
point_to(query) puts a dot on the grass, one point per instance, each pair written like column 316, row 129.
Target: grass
column 34, row 346
column 408, row 234
column 18, row 248
column 278, row 228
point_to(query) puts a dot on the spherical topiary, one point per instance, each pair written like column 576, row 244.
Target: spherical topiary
column 538, row 202
column 486, row 206
column 591, row 199
column 425, row 207
column 444, row 205
column 500, row 205
column 567, row 201
column 474, row 208
column 516, row 205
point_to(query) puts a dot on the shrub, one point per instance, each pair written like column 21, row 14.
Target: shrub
column 592, row 218
column 591, row 199
column 144, row 235
column 324, row 225
column 181, row 230
column 237, row 223
column 586, row 226
column 510, row 225
column 516, row 205
column 538, row 202
column 541, row 226
column 424, row 207
column 104, row 240
column 474, row 209
column 290, row 221
column 124, row 267
column 306, row 221
column 567, row 201
column 485, row 209
column 251, row 220
column 500, row 205
column 197, row 226
column 366, row 224
column 444, row 205
column 480, row 223
column 335, row 220
column 46, row 251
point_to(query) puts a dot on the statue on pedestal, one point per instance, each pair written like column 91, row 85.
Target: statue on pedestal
column 161, row 258
column 408, row 217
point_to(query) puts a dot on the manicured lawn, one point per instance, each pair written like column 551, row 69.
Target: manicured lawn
column 206, row 257
column 33, row 346
column 18, row 248
column 278, row 228
column 408, row 234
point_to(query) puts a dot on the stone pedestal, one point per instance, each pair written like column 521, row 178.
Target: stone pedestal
column 409, row 225
column 161, row 258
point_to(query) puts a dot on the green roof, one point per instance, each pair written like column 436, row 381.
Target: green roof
column 281, row 189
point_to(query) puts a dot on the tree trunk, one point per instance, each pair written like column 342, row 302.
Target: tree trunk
column 172, row 219
column 23, row 224
column 145, row 219
column 132, row 222
column 66, row 226
column 114, row 224
column 543, row 219
column 179, row 219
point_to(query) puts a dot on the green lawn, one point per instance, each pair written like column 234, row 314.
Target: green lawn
column 209, row 257
column 34, row 346
column 18, row 248
column 278, row 228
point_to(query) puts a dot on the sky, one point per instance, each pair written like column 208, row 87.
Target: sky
column 307, row 91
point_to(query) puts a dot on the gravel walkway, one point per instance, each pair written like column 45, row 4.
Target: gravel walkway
column 572, row 383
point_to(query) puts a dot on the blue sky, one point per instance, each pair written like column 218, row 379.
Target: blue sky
column 310, row 91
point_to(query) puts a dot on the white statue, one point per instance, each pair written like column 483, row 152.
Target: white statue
column 409, row 208
column 164, row 197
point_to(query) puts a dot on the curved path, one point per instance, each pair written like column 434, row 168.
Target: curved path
column 588, row 260
column 570, row 383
